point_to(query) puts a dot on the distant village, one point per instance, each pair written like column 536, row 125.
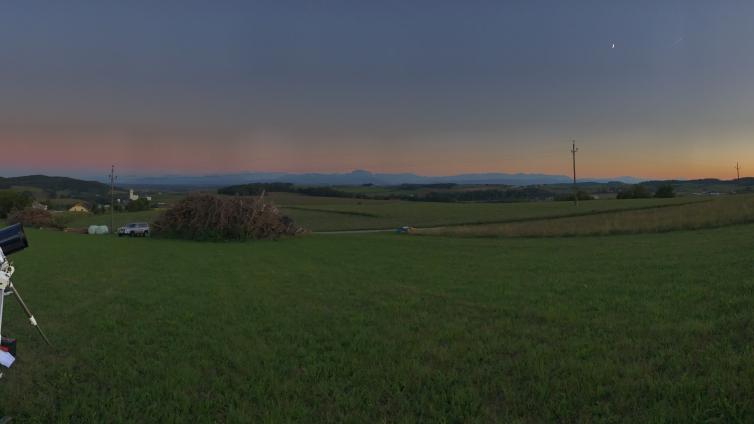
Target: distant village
column 143, row 202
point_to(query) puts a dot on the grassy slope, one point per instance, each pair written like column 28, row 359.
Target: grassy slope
column 332, row 214
column 384, row 327
column 349, row 214
column 718, row 212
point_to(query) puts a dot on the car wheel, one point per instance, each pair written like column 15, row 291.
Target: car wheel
column 145, row 234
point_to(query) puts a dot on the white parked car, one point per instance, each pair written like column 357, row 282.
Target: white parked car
column 134, row 229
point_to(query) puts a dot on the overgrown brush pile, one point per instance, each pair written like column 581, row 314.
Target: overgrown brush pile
column 30, row 217
column 211, row 217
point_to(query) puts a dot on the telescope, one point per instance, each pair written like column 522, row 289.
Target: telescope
column 12, row 240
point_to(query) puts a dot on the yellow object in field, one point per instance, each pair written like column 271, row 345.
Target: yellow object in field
column 78, row 207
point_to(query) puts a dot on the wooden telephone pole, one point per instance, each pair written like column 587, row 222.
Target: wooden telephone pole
column 112, row 198
column 738, row 172
column 575, row 190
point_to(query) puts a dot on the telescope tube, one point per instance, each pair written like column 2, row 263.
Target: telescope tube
column 13, row 239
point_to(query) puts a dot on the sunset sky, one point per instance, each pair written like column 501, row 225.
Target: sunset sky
column 430, row 87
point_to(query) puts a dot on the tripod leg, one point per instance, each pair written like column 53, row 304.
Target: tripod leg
column 2, row 298
column 29, row 314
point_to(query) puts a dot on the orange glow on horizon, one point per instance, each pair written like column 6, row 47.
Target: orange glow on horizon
column 178, row 157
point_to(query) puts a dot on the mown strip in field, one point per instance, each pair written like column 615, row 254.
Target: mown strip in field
column 474, row 217
column 392, row 214
column 568, row 215
column 335, row 211
column 687, row 216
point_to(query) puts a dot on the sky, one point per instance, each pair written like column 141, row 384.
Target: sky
column 652, row 89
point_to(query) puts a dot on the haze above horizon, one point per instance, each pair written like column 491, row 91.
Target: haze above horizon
column 650, row 90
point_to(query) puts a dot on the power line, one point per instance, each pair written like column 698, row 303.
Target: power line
column 575, row 191
column 112, row 198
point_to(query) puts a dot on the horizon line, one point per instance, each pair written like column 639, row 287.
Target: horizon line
column 92, row 176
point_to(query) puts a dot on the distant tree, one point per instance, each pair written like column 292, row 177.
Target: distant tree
column 140, row 204
column 11, row 200
column 256, row 189
column 665, row 191
column 641, row 192
column 581, row 195
column 636, row 191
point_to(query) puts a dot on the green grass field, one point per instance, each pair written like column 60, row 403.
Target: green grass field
column 386, row 328
column 718, row 212
column 338, row 214
column 332, row 214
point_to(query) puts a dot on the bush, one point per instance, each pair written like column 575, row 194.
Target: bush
column 211, row 217
column 30, row 217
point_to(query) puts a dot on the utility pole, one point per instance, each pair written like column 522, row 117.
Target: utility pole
column 575, row 190
column 738, row 172
column 112, row 198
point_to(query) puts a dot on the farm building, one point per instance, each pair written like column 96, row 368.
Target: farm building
column 78, row 207
column 133, row 196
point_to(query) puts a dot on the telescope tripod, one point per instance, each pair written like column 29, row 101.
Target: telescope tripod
column 8, row 289
column 11, row 290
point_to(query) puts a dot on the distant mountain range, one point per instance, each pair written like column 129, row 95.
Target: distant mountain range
column 56, row 184
column 357, row 177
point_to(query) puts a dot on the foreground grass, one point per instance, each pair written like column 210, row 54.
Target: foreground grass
column 386, row 328
column 718, row 212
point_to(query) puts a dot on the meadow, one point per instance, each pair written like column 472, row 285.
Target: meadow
column 322, row 214
column 718, row 212
column 386, row 328
column 333, row 214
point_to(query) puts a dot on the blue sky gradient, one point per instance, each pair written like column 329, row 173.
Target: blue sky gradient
column 428, row 87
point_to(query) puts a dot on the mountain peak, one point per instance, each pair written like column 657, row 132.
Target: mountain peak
column 361, row 173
